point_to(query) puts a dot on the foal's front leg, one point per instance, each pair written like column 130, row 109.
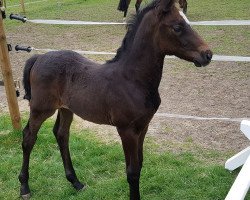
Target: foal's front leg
column 130, row 144
column 61, row 132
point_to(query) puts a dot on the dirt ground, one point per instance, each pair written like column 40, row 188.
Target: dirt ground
column 219, row 90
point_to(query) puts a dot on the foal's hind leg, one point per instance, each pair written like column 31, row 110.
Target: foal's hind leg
column 61, row 131
column 140, row 145
column 29, row 138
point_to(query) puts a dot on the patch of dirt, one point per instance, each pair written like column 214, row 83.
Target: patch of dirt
column 219, row 90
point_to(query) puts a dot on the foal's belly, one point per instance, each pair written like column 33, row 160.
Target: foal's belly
column 97, row 119
column 91, row 112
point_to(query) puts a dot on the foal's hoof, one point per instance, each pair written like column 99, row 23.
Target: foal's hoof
column 79, row 186
column 26, row 196
column 25, row 191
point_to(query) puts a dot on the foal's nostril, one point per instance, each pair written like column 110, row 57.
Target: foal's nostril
column 208, row 55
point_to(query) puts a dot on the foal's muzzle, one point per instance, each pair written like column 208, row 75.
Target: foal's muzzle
column 204, row 59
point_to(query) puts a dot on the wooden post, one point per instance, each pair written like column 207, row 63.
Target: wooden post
column 8, row 79
column 22, row 5
column 3, row 3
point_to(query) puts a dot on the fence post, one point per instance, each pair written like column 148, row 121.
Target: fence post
column 8, row 79
column 22, row 5
column 2, row 4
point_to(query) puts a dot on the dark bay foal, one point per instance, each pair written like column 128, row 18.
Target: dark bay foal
column 122, row 92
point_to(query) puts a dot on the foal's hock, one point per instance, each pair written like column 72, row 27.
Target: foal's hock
column 122, row 92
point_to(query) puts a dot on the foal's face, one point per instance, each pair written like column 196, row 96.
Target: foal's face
column 176, row 37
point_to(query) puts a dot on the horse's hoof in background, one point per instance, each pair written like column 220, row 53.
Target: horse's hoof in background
column 26, row 196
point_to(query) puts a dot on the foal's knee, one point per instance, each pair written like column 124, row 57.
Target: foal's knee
column 28, row 142
column 133, row 177
column 62, row 138
column 23, row 178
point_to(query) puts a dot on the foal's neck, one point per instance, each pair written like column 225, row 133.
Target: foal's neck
column 144, row 61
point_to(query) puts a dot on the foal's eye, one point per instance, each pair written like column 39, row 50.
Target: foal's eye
column 177, row 28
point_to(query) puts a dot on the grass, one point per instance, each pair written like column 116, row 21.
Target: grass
column 165, row 176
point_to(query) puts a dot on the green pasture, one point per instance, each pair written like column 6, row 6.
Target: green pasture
column 165, row 176
column 184, row 175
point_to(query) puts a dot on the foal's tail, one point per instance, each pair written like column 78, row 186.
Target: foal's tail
column 26, row 76
column 123, row 5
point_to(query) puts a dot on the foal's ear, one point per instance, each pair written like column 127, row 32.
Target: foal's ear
column 165, row 5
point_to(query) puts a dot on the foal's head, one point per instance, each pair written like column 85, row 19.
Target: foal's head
column 161, row 26
column 174, row 36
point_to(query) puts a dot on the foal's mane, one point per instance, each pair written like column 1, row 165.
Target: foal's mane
column 132, row 28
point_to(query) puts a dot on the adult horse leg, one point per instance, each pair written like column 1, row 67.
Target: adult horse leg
column 130, row 143
column 29, row 138
column 137, row 5
column 125, row 13
column 61, row 132
column 126, row 10
column 183, row 5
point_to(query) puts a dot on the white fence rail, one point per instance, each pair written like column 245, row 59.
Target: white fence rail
column 197, row 23
column 215, row 57
column 241, row 185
